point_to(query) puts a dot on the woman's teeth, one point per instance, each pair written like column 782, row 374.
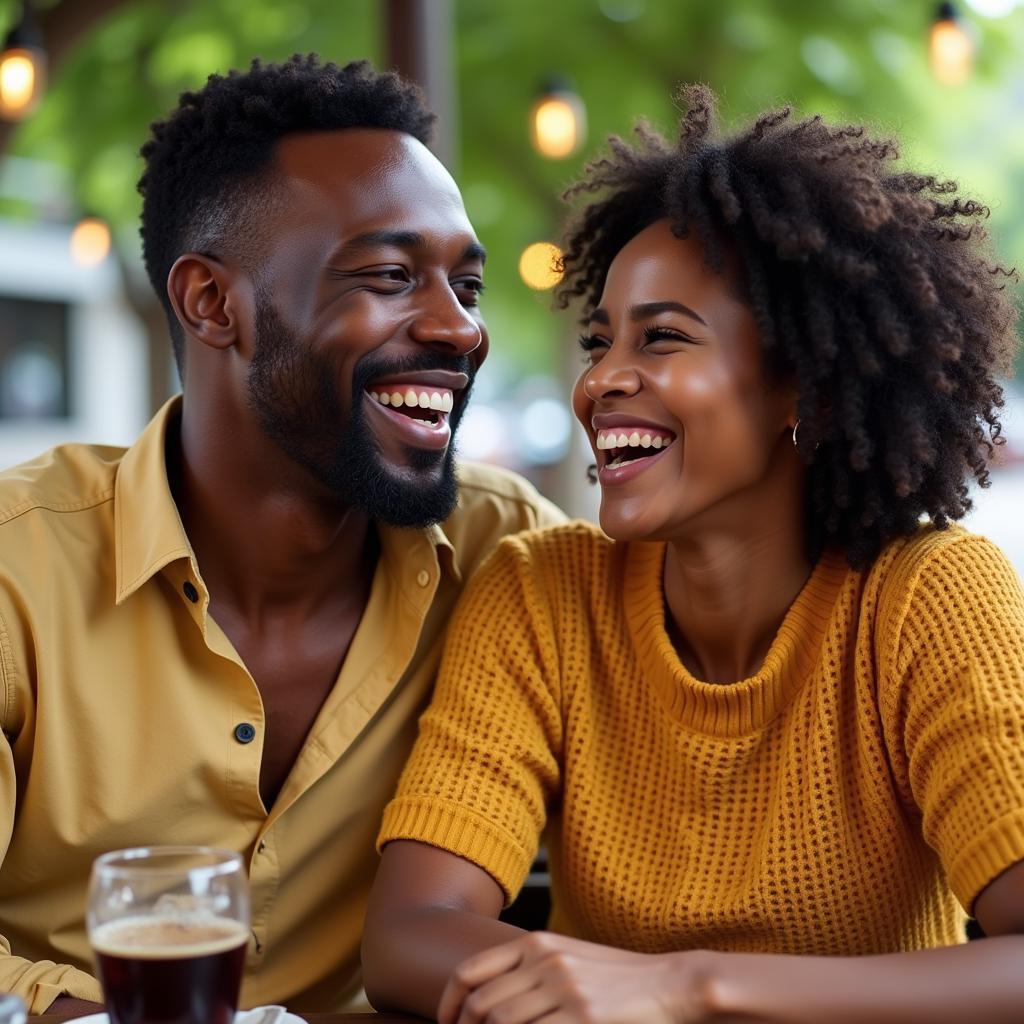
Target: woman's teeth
column 634, row 439
column 438, row 401
column 621, row 444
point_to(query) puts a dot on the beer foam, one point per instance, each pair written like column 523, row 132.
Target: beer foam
column 162, row 938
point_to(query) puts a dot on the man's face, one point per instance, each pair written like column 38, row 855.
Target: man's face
column 368, row 331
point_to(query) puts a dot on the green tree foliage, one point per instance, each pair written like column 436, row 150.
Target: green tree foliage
column 848, row 59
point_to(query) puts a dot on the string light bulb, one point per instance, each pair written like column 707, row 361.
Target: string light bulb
column 950, row 48
column 22, row 69
column 558, row 121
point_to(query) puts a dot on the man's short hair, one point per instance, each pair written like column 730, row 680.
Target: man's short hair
column 206, row 180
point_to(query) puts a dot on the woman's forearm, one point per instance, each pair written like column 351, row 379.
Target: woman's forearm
column 982, row 980
column 410, row 955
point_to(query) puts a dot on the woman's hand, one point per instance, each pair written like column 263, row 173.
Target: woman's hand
column 543, row 975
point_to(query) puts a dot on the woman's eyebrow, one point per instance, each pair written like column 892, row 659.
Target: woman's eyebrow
column 648, row 309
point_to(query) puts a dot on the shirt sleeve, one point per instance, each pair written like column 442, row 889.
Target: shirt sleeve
column 39, row 982
column 954, row 709
column 486, row 764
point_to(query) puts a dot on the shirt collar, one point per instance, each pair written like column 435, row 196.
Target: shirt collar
column 401, row 544
column 149, row 534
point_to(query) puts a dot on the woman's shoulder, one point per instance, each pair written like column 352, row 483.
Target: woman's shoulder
column 938, row 567
column 553, row 558
column 931, row 549
column 572, row 540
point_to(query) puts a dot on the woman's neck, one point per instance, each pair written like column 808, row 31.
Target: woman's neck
column 727, row 591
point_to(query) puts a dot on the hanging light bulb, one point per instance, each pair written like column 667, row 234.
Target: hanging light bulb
column 950, row 49
column 22, row 69
column 558, row 121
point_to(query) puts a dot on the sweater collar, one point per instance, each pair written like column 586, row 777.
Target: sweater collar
column 747, row 705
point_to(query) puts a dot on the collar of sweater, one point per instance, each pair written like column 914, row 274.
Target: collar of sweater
column 745, row 706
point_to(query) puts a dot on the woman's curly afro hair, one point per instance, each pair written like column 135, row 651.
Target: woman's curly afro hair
column 872, row 289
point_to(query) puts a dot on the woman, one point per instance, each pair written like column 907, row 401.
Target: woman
column 773, row 718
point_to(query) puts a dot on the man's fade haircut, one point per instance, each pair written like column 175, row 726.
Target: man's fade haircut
column 204, row 185
column 872, row 288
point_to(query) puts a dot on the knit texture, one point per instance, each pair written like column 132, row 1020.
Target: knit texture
column 841, row 801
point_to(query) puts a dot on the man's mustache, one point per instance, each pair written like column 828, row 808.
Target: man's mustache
column 372, row 366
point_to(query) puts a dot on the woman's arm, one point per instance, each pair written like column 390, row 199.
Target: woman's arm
column 982, row 980
column 564, row 980
column 429, row 910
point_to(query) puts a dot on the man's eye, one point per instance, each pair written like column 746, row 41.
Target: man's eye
column 391, row 274
column 471, row 287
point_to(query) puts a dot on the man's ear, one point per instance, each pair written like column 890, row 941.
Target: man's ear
column 200, row 291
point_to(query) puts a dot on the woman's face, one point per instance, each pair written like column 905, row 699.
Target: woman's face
column 685, row 429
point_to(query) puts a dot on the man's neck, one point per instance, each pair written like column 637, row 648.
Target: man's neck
column 266, row 545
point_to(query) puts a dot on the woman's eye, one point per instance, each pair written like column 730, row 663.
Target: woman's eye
column 591, row 343
column 653, row 335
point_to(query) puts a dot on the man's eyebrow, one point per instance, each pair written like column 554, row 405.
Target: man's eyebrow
column 475, row 251
column 644, row 310
column 399, row 240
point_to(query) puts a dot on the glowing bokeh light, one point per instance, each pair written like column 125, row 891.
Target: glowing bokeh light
column 90, row 242
column 540, row 266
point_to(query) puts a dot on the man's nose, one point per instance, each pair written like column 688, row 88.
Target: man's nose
column 443, row 322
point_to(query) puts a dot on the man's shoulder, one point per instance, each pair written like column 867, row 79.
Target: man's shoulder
column 493, row 503
column 481, row 486
column 68, row 478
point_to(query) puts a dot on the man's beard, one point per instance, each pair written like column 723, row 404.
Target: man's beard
column 294, row 393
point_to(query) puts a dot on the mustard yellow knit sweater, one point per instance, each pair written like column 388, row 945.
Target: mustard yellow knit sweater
column 841, row 801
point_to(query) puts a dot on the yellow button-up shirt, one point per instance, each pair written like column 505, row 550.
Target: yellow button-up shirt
column 121, row 697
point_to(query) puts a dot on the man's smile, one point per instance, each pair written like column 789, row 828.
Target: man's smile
column 416, row 406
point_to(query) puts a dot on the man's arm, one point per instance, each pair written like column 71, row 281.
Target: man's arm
column 41, row 984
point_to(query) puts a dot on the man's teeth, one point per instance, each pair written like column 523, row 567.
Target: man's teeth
column 438, row 401
column 607, row 439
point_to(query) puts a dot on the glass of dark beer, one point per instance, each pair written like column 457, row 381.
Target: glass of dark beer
column 169, row 926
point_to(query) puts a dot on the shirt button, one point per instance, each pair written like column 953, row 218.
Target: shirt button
column 261, row 847
column 423, row 577
column 244, row 732
column 190, row 591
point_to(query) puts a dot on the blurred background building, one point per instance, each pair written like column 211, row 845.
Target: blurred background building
column 526, row 89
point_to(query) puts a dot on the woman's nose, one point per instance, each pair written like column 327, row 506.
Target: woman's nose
column 613, row 376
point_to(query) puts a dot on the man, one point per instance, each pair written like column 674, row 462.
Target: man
column 225, row 634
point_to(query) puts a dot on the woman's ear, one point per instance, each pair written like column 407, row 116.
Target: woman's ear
column 199, row 288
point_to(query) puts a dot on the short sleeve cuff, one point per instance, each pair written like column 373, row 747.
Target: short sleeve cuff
column 987, row 856
column 73, row 982
column 452, row 827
